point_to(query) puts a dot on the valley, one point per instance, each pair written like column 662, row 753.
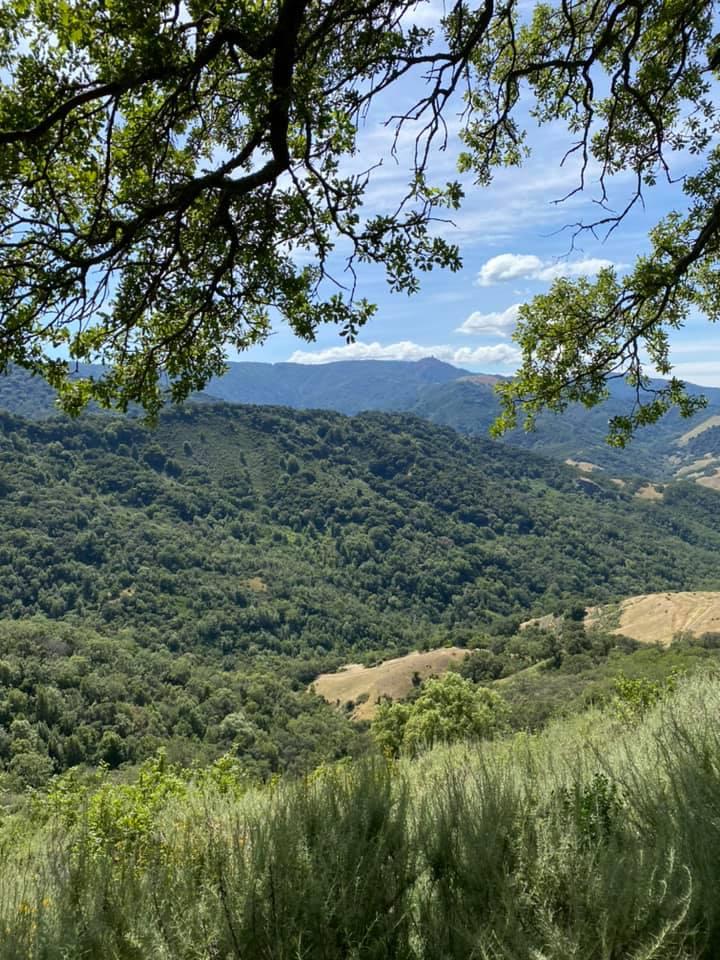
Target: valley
column 174, row 586
column 237, row 615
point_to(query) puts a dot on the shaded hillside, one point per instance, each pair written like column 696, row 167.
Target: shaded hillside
column 26, row 396
column 348, row 386
column 435, row 391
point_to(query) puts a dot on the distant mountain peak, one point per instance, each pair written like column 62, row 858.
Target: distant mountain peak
column 434, row 362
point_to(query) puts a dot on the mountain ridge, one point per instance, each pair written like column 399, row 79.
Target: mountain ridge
column 442, row 394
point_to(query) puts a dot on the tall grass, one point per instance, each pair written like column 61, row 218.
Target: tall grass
column 594, row 840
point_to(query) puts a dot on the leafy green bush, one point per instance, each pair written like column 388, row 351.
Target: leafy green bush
column 635, row 696
column 448, row 708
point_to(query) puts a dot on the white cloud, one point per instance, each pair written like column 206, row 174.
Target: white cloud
column 499, row 353
column 576, row 268
column 514, row 266
column 500, row 324
column 508, row 266
column 703, row 373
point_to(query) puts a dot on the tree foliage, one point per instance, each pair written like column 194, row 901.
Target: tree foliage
column 162, row 164
column 448, row 708
column 632, row 81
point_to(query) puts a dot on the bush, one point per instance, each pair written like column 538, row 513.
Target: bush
column 448, row 708
column 590, row 840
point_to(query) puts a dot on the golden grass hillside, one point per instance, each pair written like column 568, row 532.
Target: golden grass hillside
column 658, row 617
column 649, row 492
column 364, row 686
column 697, row 430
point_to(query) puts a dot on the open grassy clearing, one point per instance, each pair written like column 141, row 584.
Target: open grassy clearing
column 649, row 492
column 713, row 421
column 658, row 617
column 696, row 467
column 583, row 465
column 713, row 481
column 364, row 686
column 650, row 617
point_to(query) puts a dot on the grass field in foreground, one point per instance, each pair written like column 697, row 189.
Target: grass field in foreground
column 598, row 838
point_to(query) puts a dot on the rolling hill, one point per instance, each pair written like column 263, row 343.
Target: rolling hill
column 358, row 688
column 447, row 396
column 183, row 585
column 658, row 618
column 429, row 527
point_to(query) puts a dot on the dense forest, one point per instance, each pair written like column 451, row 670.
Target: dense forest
column 239, row 526
column 181, row 586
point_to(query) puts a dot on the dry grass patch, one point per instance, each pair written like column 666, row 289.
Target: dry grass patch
column 547, row 622
column 657, row 617
column 649, row 492
column 256, row 584
column 712, row 482
column 713, row 421
column 584, row 465
column 364, row 686
column 697, row 466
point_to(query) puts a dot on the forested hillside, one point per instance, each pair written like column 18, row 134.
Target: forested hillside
column 183, row 585
column 236, row 526
column 431, row 389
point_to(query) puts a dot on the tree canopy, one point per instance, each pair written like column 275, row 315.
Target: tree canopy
column 449, row 708
column 173, row 176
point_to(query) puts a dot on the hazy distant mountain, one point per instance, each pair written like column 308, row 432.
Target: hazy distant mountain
column 470, row 406
column 24, row 395
column 348, row 386
column 467, row 402
column 444, row 395
column 30, row 396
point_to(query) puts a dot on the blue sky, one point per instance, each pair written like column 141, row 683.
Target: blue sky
column 513, row 244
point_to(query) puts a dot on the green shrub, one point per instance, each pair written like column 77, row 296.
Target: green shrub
column 593, row 840
column 448, row 708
